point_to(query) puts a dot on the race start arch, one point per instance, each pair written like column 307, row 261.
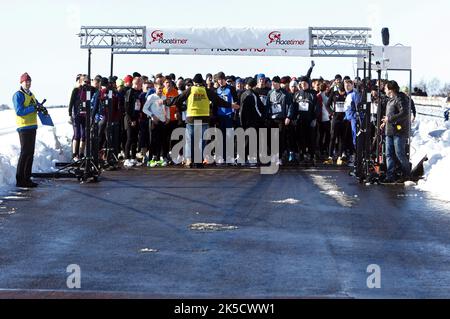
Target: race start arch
column 249, row 41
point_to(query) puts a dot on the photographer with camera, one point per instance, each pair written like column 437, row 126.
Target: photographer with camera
column 26, row 108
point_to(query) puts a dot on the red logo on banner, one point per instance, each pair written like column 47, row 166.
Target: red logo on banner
column 275, row 37
column 158, row 36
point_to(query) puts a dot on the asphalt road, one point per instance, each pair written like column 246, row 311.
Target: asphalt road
column 300, row 233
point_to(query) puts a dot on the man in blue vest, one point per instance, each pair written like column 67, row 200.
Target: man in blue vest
column 26, row 108
column 225, row 114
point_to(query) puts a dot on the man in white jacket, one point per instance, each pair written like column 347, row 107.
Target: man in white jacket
column 159, row 115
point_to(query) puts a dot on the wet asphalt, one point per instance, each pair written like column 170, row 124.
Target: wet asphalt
column 300, row 233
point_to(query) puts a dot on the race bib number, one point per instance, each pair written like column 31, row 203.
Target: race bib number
column 374, row 108
column 348, row 102
column 276, row 108
column 263, row 99
column 137, row 105
column 303, row 106
column 339, row 107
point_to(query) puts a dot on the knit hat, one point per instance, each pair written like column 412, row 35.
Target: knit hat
column 25, row 77
column 260, row 76
column 104, row 82
column 119, row 82
column 251, row 82
column 293, row 83
column 303, row 79
column 128, row 79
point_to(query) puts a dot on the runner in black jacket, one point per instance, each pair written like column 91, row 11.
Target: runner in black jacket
column 306, row 112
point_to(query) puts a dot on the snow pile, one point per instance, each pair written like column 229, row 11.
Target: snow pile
column 431, row 137
column 52, row 145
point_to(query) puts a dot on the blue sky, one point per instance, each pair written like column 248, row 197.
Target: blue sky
column 40, row 37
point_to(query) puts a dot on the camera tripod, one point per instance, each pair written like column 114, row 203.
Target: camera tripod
column 87, row 167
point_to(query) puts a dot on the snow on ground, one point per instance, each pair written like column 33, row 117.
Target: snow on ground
column 431, row 136
column 52, row 144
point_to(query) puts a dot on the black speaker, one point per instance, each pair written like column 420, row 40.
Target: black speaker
column 385, row 36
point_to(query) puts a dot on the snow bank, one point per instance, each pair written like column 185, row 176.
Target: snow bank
column 52, row 145
column 431, row 137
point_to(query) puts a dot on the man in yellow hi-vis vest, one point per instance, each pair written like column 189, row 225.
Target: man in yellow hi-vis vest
column 26, row 106
column 198, row 100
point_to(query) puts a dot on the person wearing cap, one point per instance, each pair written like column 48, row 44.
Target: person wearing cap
column 198, row 100
column 25, row 106
column 128, row 82
column 284, row 83
column 240, row 87
column 306, row 112
column 261, row 90
column 336, row 83
column 280, row 113
column 225, row 115
column 251, row 115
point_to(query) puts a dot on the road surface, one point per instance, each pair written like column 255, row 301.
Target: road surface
column 223, row 233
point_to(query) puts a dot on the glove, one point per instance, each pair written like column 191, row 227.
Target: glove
column 42, row 109
column 313, row 64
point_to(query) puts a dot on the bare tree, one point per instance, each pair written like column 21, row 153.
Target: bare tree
column 434, row 86
column 444, row 91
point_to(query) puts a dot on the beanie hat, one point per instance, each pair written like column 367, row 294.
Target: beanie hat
column 104, row 82
column 119, row 82
column 128, row 79
column 25, row 77
column 303, row 79
column 251, row 82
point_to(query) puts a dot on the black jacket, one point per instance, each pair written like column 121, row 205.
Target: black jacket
column 310, row 98
column 131, row 114
column 333, row 100
column 279, row 105
column 397, row 111
column 75, row 103
column 252, row 111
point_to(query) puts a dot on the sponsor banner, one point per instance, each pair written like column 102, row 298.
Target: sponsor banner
column 224, row 38
column 394, row 58
column 242, row 52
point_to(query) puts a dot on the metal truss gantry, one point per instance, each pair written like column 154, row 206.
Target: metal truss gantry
column 340, row 42
column 324, row 41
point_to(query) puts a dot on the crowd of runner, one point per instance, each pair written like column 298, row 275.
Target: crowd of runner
column 317, row 118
